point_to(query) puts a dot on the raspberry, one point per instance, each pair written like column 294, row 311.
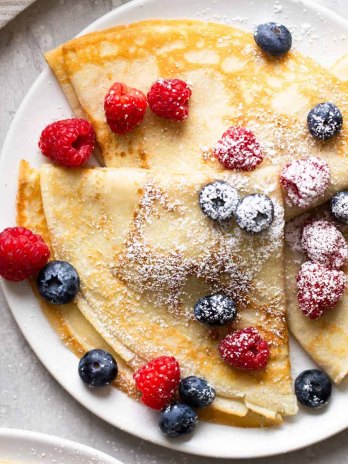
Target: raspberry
column 158, row 381
column 304, row 180
column 22, row 253
column 238, row 149
column 245, row 349
column 69, row 142
column 319, row 288
column 324, row 244
column 169, row 99
column 124, row 108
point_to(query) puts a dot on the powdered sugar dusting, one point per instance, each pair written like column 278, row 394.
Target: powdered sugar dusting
column 162, row 275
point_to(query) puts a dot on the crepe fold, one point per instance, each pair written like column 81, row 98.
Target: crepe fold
column 233, row 83
column 326, row 338
column 145, row 252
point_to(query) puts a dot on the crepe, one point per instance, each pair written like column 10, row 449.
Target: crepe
column 72, row 327
column 326, row 338
column 340, row 68
column 233, row 82
column 98, row 218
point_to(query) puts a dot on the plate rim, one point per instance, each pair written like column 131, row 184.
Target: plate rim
column 12, row 129
column 52, row 441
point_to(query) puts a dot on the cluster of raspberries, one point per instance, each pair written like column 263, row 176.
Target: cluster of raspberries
column 320, row 281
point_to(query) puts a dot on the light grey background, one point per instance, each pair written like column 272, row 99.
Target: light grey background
column 29, row 398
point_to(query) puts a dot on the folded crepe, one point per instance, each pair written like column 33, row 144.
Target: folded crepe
column 145, row 253
column 326, row 338
column 233, row 82
column 340, row 68
column 72, row 327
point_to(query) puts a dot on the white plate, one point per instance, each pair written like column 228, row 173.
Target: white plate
column 22, row 447
column 317, row 32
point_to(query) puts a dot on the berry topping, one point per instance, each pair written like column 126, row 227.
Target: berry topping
column 124, row 108
column 196, row 392
column 324, row 244
column 69, row 142
column 216, row 309
column 169, row 99
column 273, row 38
column 22, row 253
column 238, row 149
column 324, row 121
column 305, row 180
column 177, row 419
column 319, row 289
column 245, row 349
column 313, row 388
column 339, row 207
column 98, row 368
column 255, row 213
column 58, row 282
column 158, row 381
column 218, row 200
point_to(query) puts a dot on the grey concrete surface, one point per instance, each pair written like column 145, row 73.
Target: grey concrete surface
column 29, row 398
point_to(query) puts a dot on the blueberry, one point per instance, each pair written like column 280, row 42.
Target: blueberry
column 313, row 388
column 216, row 309
column 177, row 419
column 218, row 200
column 255, row 213
column 98, row 368
column 273, row 38
column 58, row 282
column 339, row 207
column 196, row 392
column 324, row 121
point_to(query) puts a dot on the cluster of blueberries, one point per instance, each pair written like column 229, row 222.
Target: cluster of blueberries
column 221, row 202
column 98, row 368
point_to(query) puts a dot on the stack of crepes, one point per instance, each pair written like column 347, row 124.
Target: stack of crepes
column 134, row 230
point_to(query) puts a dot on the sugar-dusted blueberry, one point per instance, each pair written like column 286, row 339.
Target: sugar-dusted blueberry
column 217, row 309
column 255, row 213
column 218, row 200
column 313, row 388
column 196, row 392
column 324, row 121
column 58, row 282
column 339, row 207
column 177, row 419
column 273, row 38
column 98, row 368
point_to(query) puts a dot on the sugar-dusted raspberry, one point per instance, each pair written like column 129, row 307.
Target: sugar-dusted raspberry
column 124, row 108
column 305, row 180
column 158, row 380
column 245, row 349
column 169, row 99
column 319, row 289
column 69, row 142
column 22, row 253
column 324, row 244
column 238, row 149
